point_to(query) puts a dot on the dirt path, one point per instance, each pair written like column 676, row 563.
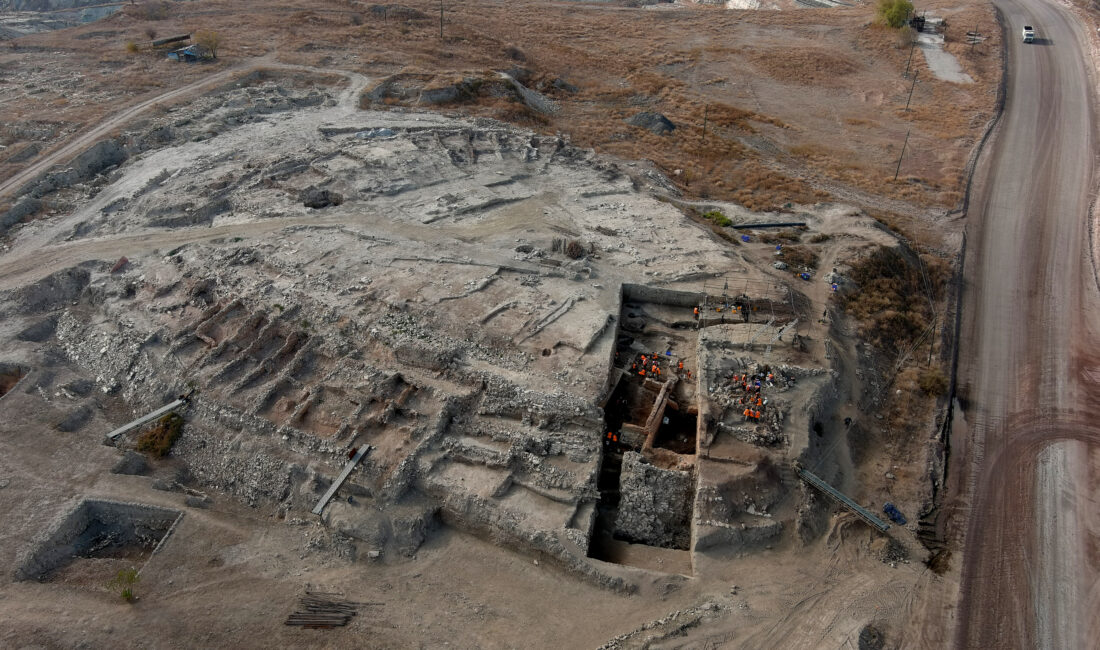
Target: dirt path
column 87, row 138
column 1028, row 355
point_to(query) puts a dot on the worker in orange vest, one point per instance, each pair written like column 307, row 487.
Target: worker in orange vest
column 680, row 366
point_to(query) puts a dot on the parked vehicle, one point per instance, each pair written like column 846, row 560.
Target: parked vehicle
column 1029, row 34
column 893, row 513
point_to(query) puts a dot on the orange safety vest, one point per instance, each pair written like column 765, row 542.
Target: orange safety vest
column 681, row 366
column 757, row 415
column 642, row 372
column 696, row 311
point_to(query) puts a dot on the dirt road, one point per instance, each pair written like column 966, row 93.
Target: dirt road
column 1028, row 469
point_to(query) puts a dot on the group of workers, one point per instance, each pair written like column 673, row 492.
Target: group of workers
column 650, row 365
column 752, row 397
column 734, row 308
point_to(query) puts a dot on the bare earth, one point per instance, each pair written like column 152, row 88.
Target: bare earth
column 464, row 297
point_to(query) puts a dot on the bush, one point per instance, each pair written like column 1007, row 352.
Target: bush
column 820, row 238
column 782, row 236
column 894, row 13
column 718, row 218
column 124, row 581
column 132, row 47
column 800, row 257
column 932, row 382
column 574, row 249
column 158, row 441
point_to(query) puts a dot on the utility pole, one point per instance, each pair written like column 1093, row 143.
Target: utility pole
column 706, row 110
column 911, row 89
column 441, row 20
column 898, row 170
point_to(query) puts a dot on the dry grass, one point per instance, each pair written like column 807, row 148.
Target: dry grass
column 895, row 296
column 800, row 257
column 805, row 66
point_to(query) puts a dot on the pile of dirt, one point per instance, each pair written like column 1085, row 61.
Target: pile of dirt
column 55, row 291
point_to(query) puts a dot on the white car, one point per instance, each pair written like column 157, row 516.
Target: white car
column 1029, row 34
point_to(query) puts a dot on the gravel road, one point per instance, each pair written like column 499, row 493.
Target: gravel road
column 1021, row 480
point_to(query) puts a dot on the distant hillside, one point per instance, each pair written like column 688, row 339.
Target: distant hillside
column 46, row 5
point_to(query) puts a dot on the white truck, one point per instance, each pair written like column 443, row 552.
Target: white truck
column 1029, row 34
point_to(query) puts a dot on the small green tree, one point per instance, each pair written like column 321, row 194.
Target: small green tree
column 894, row 13
column 124, row 582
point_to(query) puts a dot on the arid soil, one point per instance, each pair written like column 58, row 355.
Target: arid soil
column 800, row 105
column 459, row 286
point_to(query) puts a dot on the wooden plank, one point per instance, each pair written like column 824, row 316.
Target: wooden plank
column 340, row 479
column 148, row 418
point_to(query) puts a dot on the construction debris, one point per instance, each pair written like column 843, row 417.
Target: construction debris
column 321, row 611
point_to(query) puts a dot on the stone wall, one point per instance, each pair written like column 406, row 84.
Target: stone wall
column 656, row 504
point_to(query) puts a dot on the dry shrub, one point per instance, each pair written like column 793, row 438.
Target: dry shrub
column 894, row 297
column 800, row 257
column 932, row 382
column 574, row 249
column 158, row 441
column 781, row 236
column 514, row 53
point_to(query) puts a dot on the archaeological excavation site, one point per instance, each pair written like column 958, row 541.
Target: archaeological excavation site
column 336, row 354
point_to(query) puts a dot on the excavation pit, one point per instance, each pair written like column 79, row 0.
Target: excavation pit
column 678, row 431
column 96, row 539
column 10, row 375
